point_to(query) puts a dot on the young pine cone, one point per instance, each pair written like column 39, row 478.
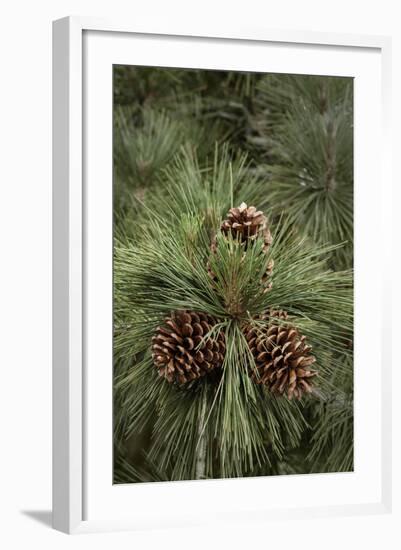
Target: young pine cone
column 246, row 224
column 179, row 351
column 282, row 357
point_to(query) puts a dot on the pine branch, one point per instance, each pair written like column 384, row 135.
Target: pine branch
column 165, row 271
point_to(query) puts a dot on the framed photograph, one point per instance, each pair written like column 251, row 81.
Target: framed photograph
column 219, row 275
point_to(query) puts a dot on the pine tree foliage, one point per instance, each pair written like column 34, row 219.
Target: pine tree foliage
column 303, row 131
column 189, row 145
column 149, row 285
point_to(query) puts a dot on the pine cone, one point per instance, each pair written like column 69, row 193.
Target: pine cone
column 247, row 224
column 178, row 351
column 281, row 355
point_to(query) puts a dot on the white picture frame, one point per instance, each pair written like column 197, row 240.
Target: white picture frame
column 82, row 47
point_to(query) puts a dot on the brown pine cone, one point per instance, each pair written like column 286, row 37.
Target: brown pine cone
column 178, row 351
column 246, row 224
column 282, row 356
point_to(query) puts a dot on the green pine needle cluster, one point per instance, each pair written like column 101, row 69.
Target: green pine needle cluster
column 304, row 133
column 189, row 145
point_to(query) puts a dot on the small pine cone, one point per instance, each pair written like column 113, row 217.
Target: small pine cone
column 246, row 224
column 213, row 248
column 282, row 356
column 266, row 278
column 178, row 351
